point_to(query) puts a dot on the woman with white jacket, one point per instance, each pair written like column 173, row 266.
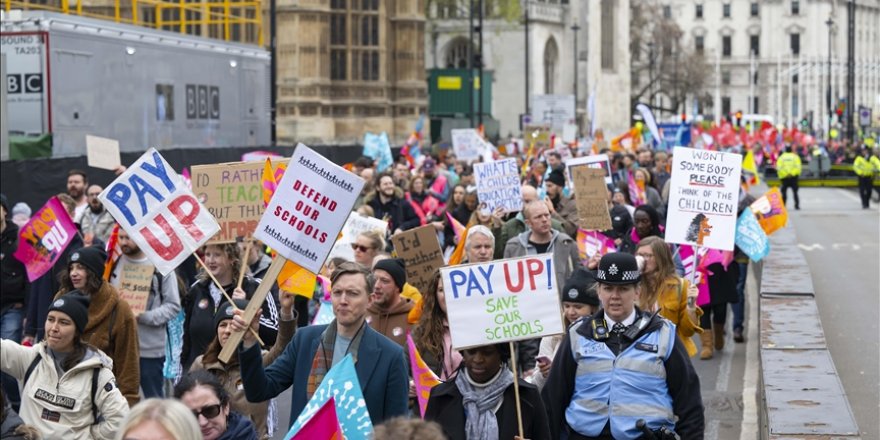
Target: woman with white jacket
column 69, row 391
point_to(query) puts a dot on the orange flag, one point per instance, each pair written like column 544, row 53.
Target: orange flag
column 423, row 378
column 458, row 254
column 296, row 279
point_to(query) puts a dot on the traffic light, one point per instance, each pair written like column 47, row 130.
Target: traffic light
column 739, row 118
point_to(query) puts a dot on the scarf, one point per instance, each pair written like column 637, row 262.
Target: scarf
column 324, row 356
column 479, row 402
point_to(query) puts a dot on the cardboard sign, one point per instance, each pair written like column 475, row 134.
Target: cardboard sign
column 501, row 301
column 770, row 211
column 498, row 186
column 420, row 250
column 539, row 134
column 467, row 144
column 703, row 198
column 134, row 286
column 598, row 161
column 103, row 152
column 591, row 199
column 354, row 226
column 153, row 204
column 42, row 240
column 232, row 193
column 750, row 238
column 308, row 209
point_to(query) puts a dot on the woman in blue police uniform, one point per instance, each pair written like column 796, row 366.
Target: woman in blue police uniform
column 621, row 366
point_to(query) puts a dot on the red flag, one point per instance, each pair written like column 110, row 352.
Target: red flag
column 324, row 424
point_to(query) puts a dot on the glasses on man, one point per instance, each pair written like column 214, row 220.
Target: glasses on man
column 209, row 411
column 360, row 247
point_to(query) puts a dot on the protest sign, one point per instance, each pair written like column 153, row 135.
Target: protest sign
column 308, row 209
column 134, row 286
column 42, row 240
column 598, row 161
column 102, row 152
column 703, row 198
column 467, row 144
column 591, row 198
column 354, row 226
column 232, row 193
column 421, row 254
column 152, row 203
column 498, row 185
column 553, row 110
column 502, row 301
column 539, row 134
column 377, row 147
column 750, row 238
column 591, row 242
column 770, row 211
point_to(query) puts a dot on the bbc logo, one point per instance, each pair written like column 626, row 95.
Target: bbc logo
column 24, row 83
column 202, row 102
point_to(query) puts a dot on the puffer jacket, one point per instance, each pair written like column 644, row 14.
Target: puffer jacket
column 14, row 284
column 120, row 342
column 230, row 377
column 391, row 323
column 61, row 407
column 563, row 247
column 672, row 302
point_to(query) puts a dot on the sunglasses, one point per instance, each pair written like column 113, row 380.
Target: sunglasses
column 361, row 248
column 209, row 411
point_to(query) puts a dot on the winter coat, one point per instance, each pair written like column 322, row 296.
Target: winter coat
column 43, row 291
column 100, row 228
column 673, row 306
column 61, row 407
column 230, row 377
column 567, row 215
column 238, row 427
column 722, row 284
column 397, row 212
column 14, row 285
column 113, row 330
column 563, row 247
column 513, row 228
column 13, row 428
column 199, row 309
column 446, row 408
column 393, row 324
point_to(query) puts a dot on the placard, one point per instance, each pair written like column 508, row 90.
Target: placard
column 592, row 199
column 377, row 147
column 159, row 212
column 135, row 281
column 354, row 226
column 750, row 237
column 233, row 193
column 703, row 198
column 308, row 209
column 42, row 240
column 539, row 134
column 467, row 144
column 102, row 152
column 770, row 211
column 598, row 161
column 498, row 185
column 501, row 301
column 420, row 250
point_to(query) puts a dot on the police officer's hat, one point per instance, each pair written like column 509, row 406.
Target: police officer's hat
column 580, row 288
column 618, row 268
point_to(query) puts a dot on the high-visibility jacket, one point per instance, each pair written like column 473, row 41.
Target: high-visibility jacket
column 875, row 161
column 862, row 167
column 788, row 165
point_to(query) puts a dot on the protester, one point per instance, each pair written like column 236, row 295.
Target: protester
column 317, row 348
column 562, row 208
column 389, row 205
column 665, row 292
column 788, row 168
column 436, row 183
column 479, row 246
column 388, row 311
column 621, row 198
column 431, row 335
column 204, row 297
column 11, row 425
column 229, row 374
column 162, row 305
column 722, row 291
column 580, row 406
column 480, row 401
column 652, row 196
column 111, row 324
column 96, row 221
column 70, row 370
column 14, row 290
column 426, row 205
column 742, row 261
column 401, row 428
column 621, row 219
column 517, row 224
column 203, row 394
column 491, row 220
column 646, row 223
column 21, row 214
column 540, row 238
column 469, row 205
column 865, row 172
column 159, row 419
column 258, row 264
column 366, row 246
column 443, row 225
column 661, row 170
column 77, row 181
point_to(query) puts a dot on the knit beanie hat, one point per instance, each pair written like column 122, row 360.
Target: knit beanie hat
column 75, row 305
column 580, row 288
column 93, row 258
column 395, row 268
column 226, row 311
column 556, row 177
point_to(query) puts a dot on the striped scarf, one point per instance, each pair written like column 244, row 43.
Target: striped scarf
column 321, row 363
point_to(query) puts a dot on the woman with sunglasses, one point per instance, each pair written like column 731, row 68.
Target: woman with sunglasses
column 366, row 246
column 203, row 394
column 230, row 374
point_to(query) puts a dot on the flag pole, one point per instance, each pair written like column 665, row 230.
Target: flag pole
column 516, row 390
column 223, row 291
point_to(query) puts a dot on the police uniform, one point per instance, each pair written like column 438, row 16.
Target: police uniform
column 864, row 169
column 603, row 381
column 788, row 168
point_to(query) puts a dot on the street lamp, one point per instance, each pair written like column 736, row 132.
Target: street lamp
column 830, row 24
column 575, row 28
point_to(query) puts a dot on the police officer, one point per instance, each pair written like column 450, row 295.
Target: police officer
column 788, row 168
column 875, row 161
column 865, row 172
column 622, row 367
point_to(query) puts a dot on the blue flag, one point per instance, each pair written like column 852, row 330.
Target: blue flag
column 377, row 147
column 750, row 237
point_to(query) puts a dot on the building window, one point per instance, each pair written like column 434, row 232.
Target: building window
column 337, row 4
column 795, row 7
column 551, row 59
column 725, row 105
column 667, row 11
column 338, row 64
column 457, row 54
column 725, row 77
column 337, row 29
column 755, row 44
column 369, row 30
column 698, row 10
column 725, row 46
column 795, row 43
column 164, row 102
column 754, row 9
column 700, row 43
column 755, row 77
column 795, row 78
column 725, row 10
column 755, row 109
column 608, row 19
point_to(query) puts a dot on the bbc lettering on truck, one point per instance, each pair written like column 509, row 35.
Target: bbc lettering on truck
column 202, row 102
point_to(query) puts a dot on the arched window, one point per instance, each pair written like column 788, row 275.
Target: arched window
column 551, row 59
column 456, row 54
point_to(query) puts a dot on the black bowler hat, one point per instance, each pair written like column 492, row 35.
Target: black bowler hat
column 580, row 288
column 618, row 268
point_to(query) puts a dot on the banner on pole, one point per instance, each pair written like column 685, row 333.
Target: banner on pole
column 750, row 238
column 308, row 209
column 598, row 161
column 703, row 198
column 42, row 240
column 377, row 147
column 591, row 198
column 502, row 301
column 498, row 185
column 770, row 211
column 467, row 144
column 159, row 212
column 421, row 253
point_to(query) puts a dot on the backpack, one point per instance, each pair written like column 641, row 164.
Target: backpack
column 95, row 372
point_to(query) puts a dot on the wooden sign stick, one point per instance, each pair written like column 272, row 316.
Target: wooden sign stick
column 516, row 389
column 254, row 305
column 223, row 291
column 244, row 261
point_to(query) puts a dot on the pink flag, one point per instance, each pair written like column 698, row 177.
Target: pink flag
column 423, row 378
column 592, row 242
column 44, row 237
column 324, row 424
column 694, row 273
column 636, row 190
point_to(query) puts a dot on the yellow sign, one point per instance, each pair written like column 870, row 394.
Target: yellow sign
column 477, row 82
column 449, row 83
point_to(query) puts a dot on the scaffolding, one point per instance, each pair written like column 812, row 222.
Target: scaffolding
column 228, row 20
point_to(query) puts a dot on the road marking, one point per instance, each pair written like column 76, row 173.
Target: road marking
column 726, row 358
column 749, row 427
column 849, row 195
column 810, row 247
